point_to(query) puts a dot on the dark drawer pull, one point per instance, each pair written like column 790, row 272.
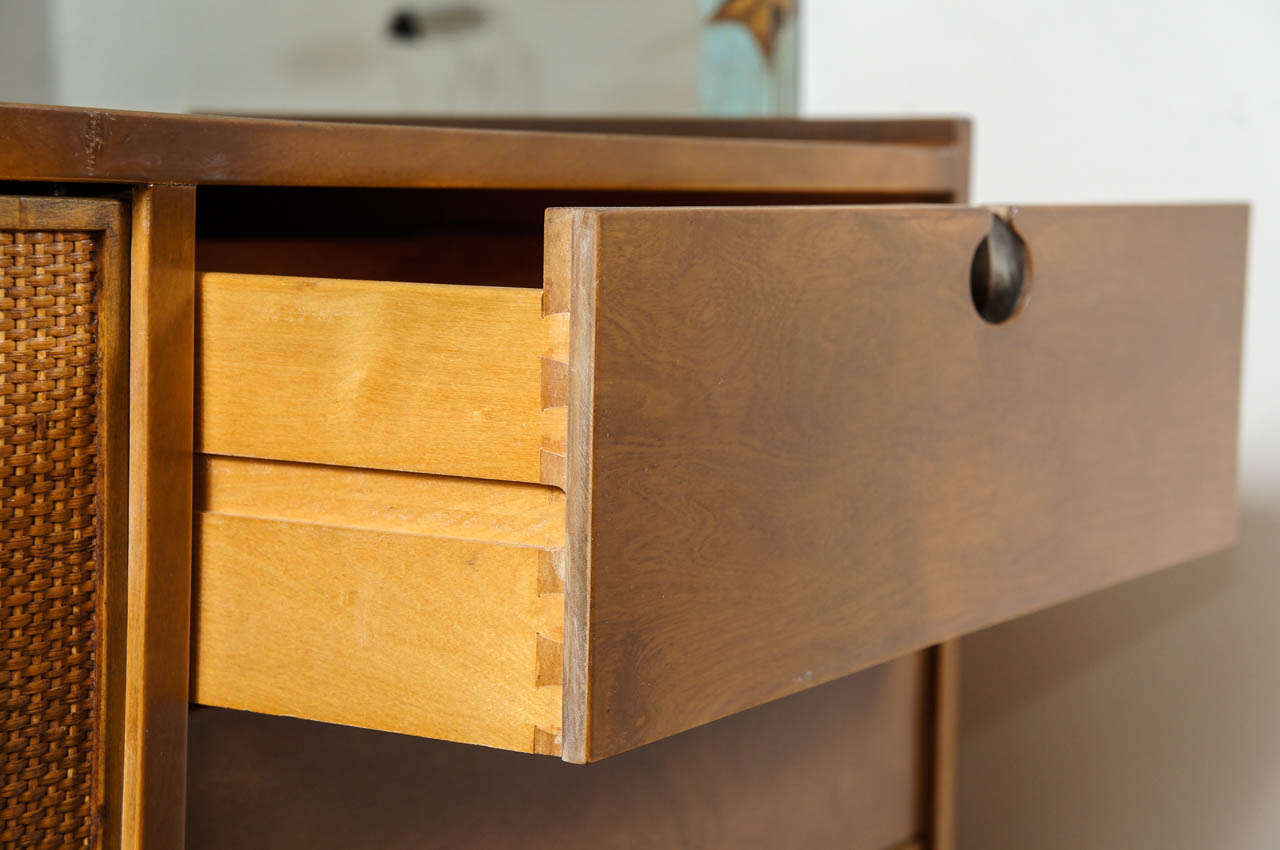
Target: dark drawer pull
column 999, row 275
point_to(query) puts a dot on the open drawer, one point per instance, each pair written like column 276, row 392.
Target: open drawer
column 724, row 455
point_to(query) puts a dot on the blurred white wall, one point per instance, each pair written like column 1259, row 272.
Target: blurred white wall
column 26, row 74
column 1147, row 716
column 557, row 56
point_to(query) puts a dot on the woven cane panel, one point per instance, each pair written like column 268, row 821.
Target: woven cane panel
column 48, row 529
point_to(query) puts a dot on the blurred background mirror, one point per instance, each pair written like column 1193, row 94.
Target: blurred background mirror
column 506, row 57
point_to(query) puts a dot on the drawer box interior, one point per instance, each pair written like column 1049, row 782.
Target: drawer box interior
column 379, row 537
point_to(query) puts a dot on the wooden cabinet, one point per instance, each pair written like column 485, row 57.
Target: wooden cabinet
column 570, row 438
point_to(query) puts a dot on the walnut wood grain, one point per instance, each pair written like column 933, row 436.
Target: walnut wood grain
column 841, row 766
column 922, row 130
column 795, row 450
column 54, row 143
column 162, row 344
column 945, row 729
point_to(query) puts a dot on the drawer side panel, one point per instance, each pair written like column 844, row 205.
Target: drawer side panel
column 415, row 377
column 378, row 624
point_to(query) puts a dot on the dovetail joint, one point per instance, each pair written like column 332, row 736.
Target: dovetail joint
column 547, row 742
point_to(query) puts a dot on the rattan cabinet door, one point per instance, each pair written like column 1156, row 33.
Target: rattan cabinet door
column 63, row 362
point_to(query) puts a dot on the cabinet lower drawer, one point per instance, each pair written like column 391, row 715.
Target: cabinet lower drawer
column 724, row 455
column 844, row 766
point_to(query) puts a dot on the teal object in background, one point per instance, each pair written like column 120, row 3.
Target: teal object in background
column 735, row 76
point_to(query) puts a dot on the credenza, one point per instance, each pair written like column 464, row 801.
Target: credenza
column 422, row 482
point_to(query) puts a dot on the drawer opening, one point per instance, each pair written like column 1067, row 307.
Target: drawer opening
column 482, row 237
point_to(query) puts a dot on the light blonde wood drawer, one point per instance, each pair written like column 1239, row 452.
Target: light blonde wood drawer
column 334, row 580
column 724, row 455
column 414, row 604
column 405, row 376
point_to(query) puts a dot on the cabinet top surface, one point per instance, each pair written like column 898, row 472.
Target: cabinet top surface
column 888, row 157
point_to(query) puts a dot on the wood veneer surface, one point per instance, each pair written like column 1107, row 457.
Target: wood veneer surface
column 841, row 766
column 796, row 450
column 58, row 143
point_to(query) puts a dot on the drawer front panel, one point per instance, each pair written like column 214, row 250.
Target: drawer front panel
column 797, row 450
column 59, row 362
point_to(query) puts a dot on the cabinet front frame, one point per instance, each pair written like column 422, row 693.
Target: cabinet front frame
column 143, row 153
